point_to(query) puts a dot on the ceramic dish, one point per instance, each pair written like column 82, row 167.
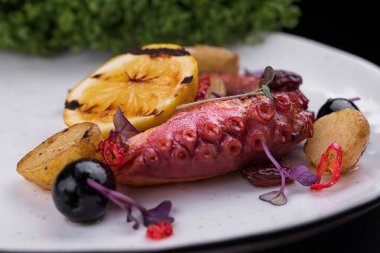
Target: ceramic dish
column 209, row 212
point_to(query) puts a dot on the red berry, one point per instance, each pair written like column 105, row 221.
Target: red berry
column 159, row 230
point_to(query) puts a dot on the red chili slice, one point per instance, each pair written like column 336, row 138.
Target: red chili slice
column 112, row 154
column 331, row 160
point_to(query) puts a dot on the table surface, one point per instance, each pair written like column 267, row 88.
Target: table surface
column 349, row 27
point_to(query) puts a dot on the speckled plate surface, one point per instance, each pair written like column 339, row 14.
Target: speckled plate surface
column 32, row 94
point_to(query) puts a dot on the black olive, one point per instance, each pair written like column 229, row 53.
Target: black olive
column 74, row 198
column 335, row 104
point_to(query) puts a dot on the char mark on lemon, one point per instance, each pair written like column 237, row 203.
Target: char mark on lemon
column 72, row 105
column 187, row 80
column 97, row 76
column 158, row 52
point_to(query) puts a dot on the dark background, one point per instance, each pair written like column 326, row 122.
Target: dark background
column 352, row 26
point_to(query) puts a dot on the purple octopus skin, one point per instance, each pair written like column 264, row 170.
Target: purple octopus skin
column 215, row 138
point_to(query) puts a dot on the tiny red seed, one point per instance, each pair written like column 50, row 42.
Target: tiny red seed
column 159, row 230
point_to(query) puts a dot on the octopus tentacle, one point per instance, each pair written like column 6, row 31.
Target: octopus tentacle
column 210, row 132
column 218, row 137
column 206, row 152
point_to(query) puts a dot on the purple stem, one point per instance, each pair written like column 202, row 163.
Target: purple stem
column 354, row 99
column 280, row 169
column 114, row 195
column 126, row 208
column 121, row 200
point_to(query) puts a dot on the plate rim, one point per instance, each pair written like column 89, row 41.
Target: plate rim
column 260, row 241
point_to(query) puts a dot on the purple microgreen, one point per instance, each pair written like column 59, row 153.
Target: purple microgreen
column 302, row 175
column 271, row 158
column 122, row 125
column 159, row 213
column 268, row 76
column 276, row 198
column 217, row 95
column 280, row 199
column 128, row 209
column 354, row 99
column 266, row 91
column 257, row 73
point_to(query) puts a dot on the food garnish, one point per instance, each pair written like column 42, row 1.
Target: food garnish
column 348, row 128
column 83, row 191
column 122, row 125
column 112, row 148
column 147, row 84
column 42, row 165
column 354, row 99
column 72, row 195
column 300, row 174
column 336, row 104
column 158, row 213
column 159, row 230
column 263, row 89
column 330, row 161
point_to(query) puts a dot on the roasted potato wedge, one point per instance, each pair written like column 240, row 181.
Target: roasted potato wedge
column 347, row 127
column 215, row 59
column 41, row 165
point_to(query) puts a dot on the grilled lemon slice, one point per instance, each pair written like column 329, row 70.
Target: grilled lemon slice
column 147, row 84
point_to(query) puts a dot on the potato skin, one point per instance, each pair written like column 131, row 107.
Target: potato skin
column 215, row 59
column 347, row 127
column 41, row 165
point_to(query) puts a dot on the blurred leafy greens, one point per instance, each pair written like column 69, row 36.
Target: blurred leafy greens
column 47, row 27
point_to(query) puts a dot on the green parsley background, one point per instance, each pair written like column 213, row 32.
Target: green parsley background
column 47, row 27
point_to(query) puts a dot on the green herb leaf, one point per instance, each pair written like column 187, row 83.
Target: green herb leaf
column 266, row 91
column 268, row 77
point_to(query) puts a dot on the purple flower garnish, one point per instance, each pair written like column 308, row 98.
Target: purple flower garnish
column 301, row 174
column 159, row 213
column 122, row 125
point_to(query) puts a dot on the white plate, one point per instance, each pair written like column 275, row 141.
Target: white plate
column 32, row 96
